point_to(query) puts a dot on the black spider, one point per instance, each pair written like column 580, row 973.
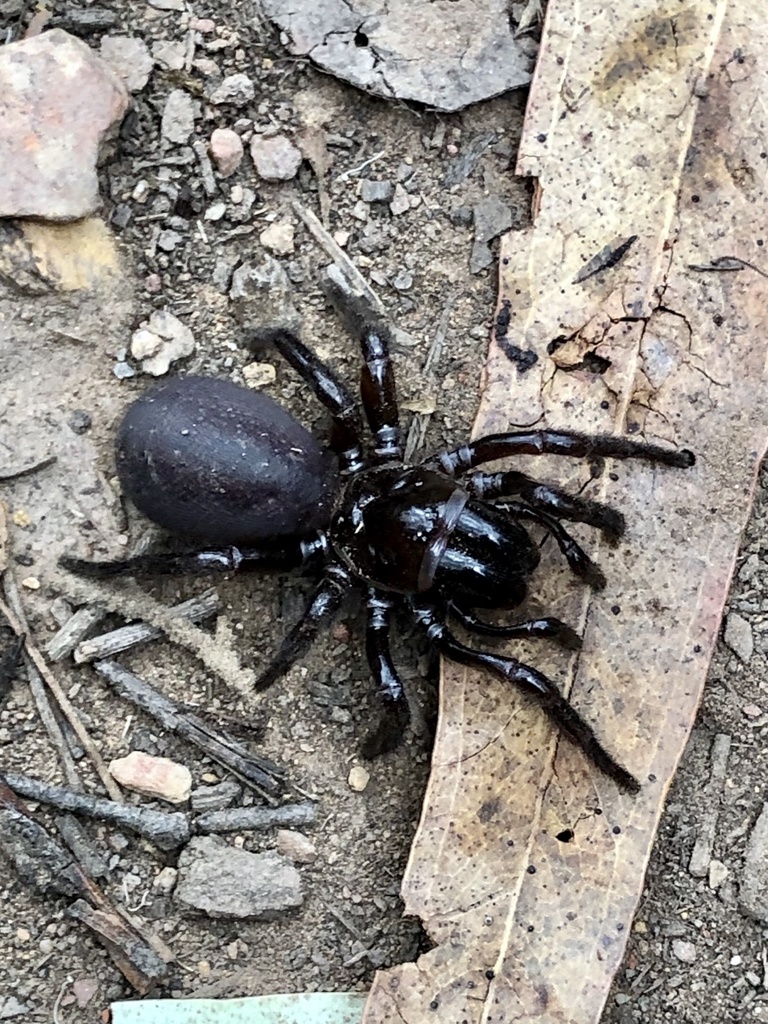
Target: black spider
column 209, row 459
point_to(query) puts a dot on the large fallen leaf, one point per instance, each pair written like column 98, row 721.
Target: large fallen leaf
column 644, row 120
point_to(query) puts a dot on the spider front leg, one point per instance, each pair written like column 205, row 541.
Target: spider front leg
column 553, row 500
column 328, row 389
column 377, row 380
column 559, row 709
column 389, row 733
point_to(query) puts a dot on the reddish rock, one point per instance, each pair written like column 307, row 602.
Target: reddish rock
column 153, row 776
column 58, row 102
column 226, row 150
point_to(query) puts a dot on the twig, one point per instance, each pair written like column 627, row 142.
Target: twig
column 337, row 254
column 702, row 848
column 418, row 428
column 74, row 629
column 256, row 771
column 39, row 692
column 118, row 640
column 257, row 818
column 166, row 829
column 35, row 657
column 29, row 470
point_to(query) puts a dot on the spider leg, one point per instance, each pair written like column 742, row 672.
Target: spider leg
column 321, row 609
column 389, row 732
column 304, row 554
column 377, row 381
column 578, row 560
column 346, row 440
column 559, row 709
column 557, row 442
column 549, row 629
column 549, row 499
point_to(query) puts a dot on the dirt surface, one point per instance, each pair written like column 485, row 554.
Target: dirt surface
column 693, row 956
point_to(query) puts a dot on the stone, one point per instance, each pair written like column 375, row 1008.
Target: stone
column 443, row 55
column 684, row 951
column 226, row 150
column 153, row 776
column 275, row 157
column 160, row 341
column 492, row 218
column 376, row 191
column 169, row 54
column 261, row 294
column 60, row 103
column 225, row 882
column 129, row 58
column 278, row 237
column 738, row 636
column 295, row 846
column 179, row 113
column 358, row 778
column 753, row 889
column 235, row 89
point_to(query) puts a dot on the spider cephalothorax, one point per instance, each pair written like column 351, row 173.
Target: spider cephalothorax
column 206, row 458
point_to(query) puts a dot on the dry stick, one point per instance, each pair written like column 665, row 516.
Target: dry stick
column 257, row 772
column 420, row 421
column 132, row 603
column 118, row 640
column 166, row 829
column 233, row 819
column 702, row 848
column 63, row 701
column 66, row 639
column 39, row 692
column 337, row 254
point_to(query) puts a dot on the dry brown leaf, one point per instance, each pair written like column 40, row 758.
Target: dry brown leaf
column 644, row 119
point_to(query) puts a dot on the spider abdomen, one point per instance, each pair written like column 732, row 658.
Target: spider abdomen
column 208, row 458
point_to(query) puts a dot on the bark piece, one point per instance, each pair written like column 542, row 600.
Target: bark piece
column 526, row 891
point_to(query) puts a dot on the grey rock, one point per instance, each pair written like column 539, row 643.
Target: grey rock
column 445, row 55
column 235, row 89
column 376, row 191
column 275, row 157
column 129, row 58
column 492, row 217
column 261, row 294
column 753, row 891
column 179, row 115
column 738, row 636
column 225, row 882
column 57, row 91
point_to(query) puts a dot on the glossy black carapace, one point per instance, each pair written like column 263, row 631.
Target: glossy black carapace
column 217, row 462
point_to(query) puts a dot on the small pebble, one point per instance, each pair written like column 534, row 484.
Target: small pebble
column 259, row 375
column 684, row 951
column 376, row 191
column 738, row 636
column 358, row 778
column 153, row 776
column 275, row 158
column 235, row 89
column 401, row 201
column 226, row 149
column 718, row 872
column 295, row 846
column 278, row 237
column 31, row 583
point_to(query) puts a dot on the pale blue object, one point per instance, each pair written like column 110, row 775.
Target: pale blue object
column 296, row 1008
